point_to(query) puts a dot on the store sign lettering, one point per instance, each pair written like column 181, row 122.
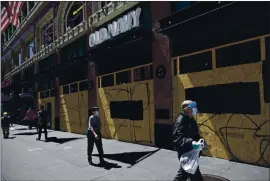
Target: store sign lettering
column 121, row 25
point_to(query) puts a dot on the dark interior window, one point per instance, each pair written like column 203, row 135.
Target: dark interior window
column 243, row 53
column 52, row 92
column 196, row 63
column 132, row 110
column 47, row 93
column 41, row 95
column 75, row 14
column 123, row 77
column 66, row 89
column 74, row 88
column 107, row 80
column 83, row 85
column 143, row 73
column 31, row 5
column 237, row 98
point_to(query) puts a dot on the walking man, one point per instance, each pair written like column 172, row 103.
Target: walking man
column 42, row 124
column 185, row 137
column 94, row 136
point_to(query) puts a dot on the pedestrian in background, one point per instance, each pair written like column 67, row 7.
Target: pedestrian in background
column 42, row 124
column 94, row 135
column 186, row 137
column 30, row 117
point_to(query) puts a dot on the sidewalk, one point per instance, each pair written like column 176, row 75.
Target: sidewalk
column 64, row 158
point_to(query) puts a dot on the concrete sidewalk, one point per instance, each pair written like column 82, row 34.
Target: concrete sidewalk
column 64, row 158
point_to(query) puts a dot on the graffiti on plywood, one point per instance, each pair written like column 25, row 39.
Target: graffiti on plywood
column 74, row 112
column 128, row 129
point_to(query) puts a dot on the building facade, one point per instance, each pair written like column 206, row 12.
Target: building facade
column 138, row 61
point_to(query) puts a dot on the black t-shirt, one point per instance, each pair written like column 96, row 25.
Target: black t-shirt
column 43, row 116
column 5, row 121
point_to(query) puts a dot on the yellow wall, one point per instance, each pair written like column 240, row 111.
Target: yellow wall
column 124, row 129
column 248, row 141
column 52, row 101
column 74, row 112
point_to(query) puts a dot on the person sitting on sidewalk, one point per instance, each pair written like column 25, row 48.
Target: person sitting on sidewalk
column 94, row 136
column 185, row 137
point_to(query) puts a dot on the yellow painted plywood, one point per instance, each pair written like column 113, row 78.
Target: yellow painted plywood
column 230, row 136
column 138, row 131
column 74, row 112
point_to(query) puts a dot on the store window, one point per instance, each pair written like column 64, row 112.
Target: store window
column 47, row 33
column 74, row 15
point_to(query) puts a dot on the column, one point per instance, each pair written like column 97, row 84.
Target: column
column 162, row 84
column 92, row 92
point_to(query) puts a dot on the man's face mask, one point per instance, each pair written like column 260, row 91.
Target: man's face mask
column 194, row 111
column 96, row 113
column 193, row 107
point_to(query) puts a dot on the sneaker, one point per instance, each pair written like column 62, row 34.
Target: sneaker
column 102, row 162
column 90, row 161
column 38, row 139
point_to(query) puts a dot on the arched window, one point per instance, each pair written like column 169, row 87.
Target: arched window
column 75, row 14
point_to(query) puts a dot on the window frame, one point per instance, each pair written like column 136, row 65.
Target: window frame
column 68, row 11
column 45, row 32
column 30, row 48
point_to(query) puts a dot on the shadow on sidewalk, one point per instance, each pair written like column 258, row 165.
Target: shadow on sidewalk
column 131, row 158
column 62, row 140
column 21, row 129
column 107, row 165
column 11, row 138
column 29, row 133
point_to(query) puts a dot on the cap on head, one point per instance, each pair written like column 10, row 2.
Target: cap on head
column 94, row 108
column 5, row 113
column 185, row 104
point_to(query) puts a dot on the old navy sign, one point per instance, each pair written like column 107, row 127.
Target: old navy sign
column 121, row 25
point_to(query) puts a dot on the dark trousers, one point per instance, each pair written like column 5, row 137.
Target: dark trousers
column 40, row 127
column 182, row 175
column 91, row 140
